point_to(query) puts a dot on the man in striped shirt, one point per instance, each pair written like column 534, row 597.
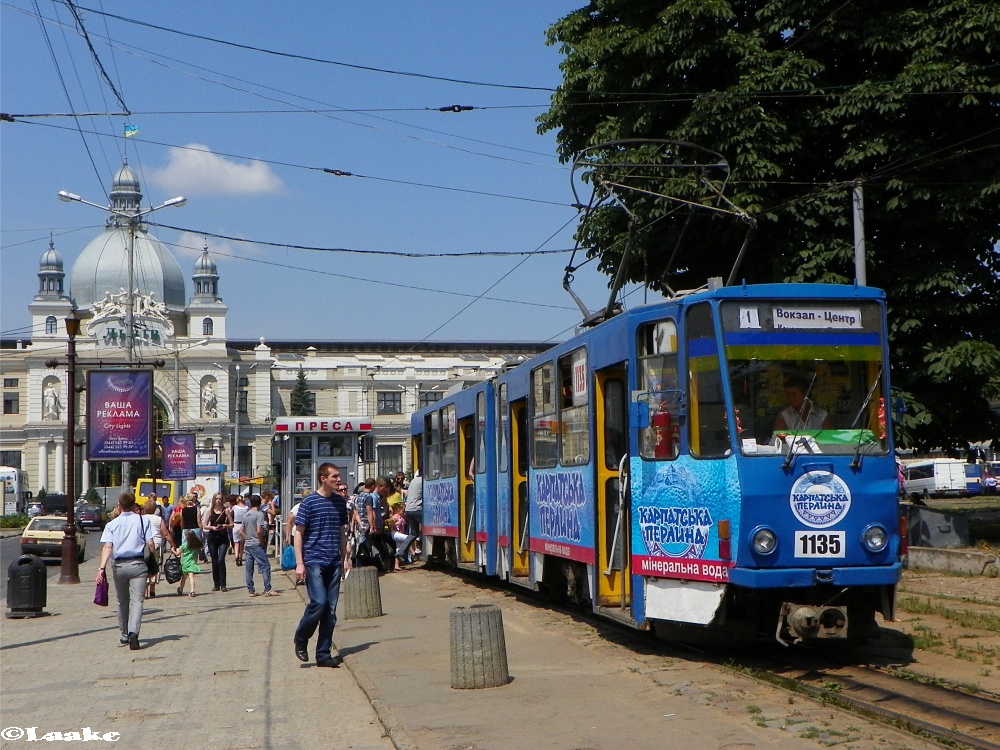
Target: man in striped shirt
column 320, row 521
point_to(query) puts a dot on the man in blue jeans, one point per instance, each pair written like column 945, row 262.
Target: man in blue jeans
column 253, row 533
column 320, row 521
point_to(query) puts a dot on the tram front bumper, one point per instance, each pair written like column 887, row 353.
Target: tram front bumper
column 776, row 578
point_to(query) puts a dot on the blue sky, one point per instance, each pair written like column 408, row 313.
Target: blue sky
column 430, row 182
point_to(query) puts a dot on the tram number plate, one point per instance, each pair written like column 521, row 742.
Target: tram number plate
column 819, row 544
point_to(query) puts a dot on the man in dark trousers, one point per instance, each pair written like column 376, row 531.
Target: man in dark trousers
column 320, row 520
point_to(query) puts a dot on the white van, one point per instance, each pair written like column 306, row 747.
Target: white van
column 935, row 477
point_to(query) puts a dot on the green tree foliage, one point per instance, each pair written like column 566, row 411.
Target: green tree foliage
column 300, row 402
column 805, row 99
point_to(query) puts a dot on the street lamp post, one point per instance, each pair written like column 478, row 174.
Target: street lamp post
column 70, row 570
column 234, row 448
column 133, row 219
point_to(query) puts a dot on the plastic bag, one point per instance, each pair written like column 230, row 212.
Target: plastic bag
column 101, row 593
column 288, row 558
column 172, row 569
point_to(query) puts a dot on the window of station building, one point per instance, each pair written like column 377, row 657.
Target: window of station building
column 11, row 459
column 244, row 462
column 390, row 460
column 707, row 420
column 310, row 404
column 9, row 383
column 50, row 325
column 544, row 420
column 574, row 397
column 11, row 403
column 389, row 402
column 241, row 401
column 429, row 397
column 656, row 348
column 207, row 327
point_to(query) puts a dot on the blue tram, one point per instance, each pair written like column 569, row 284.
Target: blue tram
column 721, row 460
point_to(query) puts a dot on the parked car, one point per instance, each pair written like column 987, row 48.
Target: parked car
column 44, row 534
column 91, row 516
column 36, row 509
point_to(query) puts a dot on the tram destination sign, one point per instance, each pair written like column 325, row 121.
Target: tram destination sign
column 817, row 317
column 322, row 424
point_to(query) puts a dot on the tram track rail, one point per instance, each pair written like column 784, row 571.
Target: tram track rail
column 935, row 710
column 952, row 717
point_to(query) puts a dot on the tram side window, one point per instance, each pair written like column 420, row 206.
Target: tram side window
column 708, row 424
column 449, row 442
column 544, row 421
column 657, row 354
column 480, row 433
column 574, row 399
column 432, row 445
column 503, row 457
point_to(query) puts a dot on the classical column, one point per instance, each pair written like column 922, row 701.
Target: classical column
column 43, row 465
column 84, row 476
column 61, row 469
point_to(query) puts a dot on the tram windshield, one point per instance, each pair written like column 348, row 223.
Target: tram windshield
column 806, row 375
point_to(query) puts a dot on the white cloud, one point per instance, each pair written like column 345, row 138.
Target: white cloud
column 195, row 170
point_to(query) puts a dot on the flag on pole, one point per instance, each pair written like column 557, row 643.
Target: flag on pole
column 131, row 130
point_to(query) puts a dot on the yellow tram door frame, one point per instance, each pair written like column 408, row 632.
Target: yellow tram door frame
column 466, row 491
column 614, row 587
column 519, row 488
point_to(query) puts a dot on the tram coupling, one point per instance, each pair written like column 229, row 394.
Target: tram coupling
column 807, row 622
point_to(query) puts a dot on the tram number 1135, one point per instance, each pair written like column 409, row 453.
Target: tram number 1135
column 819, row 544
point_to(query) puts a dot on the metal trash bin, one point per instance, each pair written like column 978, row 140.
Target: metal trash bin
column 26, row 587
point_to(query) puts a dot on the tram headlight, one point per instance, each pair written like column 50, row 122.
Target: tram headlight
column 875, row 538
column 764, row 541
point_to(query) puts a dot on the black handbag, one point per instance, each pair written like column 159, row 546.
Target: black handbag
column 152, row 564
column 172, row 570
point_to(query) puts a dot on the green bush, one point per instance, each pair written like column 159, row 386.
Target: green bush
column 16, row 521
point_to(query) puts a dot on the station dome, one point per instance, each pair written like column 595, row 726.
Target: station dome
column 51, row 260
column 102, row 267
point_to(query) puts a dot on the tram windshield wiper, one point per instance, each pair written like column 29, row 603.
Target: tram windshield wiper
column 856, row 463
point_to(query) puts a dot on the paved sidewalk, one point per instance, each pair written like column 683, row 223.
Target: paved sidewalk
column 216, row 671
column 219, row 670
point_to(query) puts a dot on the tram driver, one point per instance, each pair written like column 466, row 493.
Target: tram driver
column 801, row 413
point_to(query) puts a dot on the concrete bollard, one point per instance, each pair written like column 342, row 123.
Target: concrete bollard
column 362, row 596
column 478, row 649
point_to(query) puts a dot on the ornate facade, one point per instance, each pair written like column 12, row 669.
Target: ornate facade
column 228, row 392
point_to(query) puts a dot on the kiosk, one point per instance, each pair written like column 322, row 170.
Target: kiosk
column 303, row 443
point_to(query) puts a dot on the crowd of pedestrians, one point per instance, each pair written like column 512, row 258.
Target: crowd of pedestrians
column 331, row 531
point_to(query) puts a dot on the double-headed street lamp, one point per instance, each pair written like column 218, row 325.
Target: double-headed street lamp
column 133, row 218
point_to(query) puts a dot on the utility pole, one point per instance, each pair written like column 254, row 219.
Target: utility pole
column 858, row 199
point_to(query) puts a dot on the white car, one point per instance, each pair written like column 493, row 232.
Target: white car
column 44, row 534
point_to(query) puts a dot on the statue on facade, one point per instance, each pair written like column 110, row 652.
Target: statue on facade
column 50, row 403
column 209, row 401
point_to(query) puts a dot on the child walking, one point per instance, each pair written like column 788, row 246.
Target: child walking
column 189, row 560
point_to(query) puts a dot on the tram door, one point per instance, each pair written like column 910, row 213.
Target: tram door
column 519, row 486
column 614, row 589
column 467, row 491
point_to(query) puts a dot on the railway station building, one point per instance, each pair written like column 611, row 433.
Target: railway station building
column 235, row 395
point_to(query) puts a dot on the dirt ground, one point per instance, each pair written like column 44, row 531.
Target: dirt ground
column 947, row 628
